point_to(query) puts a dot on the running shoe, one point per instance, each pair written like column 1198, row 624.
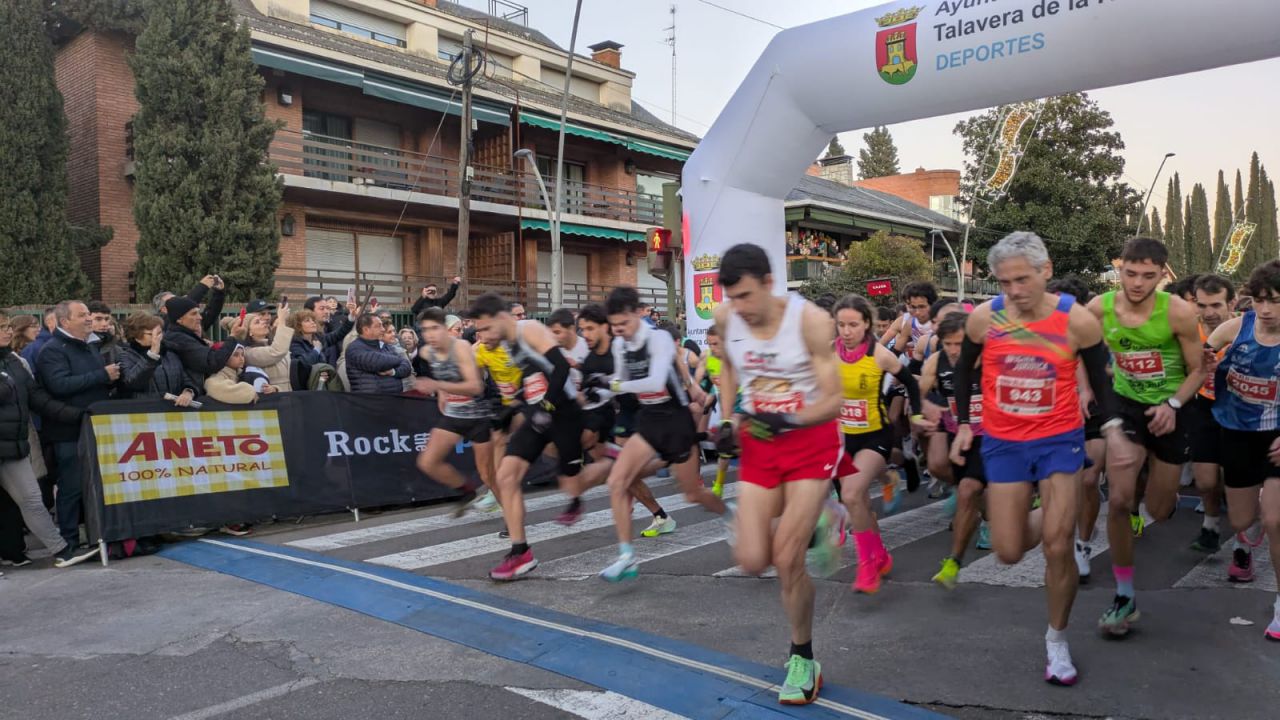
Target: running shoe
column 1273, row 630
column 514, row 567
column 804, row 680
column 1116, row 620
column 659, row 526
column 1059, row 670
column 1241, row 569
column 487, row 502
column 937, row 488
column 1208, row 542
column 949, row 575
column 984, row 536
column 1147, row 518
column 822, row 559
column 624, row 568
column 890, row 493
column 19, row 561
column 950, row 504
column 1200, row 507
column 1084, row 554
column 504, row 534
column 463, row 502
column 236, row 530
column 717, row 487
column 572, row 514
column 1137, row 523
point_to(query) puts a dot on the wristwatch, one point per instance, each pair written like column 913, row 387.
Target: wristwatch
column 1174, row 403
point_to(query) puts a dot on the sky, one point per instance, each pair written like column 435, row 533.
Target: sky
column 1213, row 120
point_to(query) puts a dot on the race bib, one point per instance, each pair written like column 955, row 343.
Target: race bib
column 452, row 399
column 853, row 414
column 507, row 390
column 1141, row 364
column 1025, row 396
column 653, row 398
column 535, row 388
column 975, row 409
column 1253, row 390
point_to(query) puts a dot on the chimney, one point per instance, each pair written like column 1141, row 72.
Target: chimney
column 607, row 53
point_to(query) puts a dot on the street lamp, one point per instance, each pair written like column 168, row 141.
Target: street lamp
column 553, row 222
column 1147, row 198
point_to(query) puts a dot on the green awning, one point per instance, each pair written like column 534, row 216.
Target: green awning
column 648, row 147
column 379, row 86
column 583, row 230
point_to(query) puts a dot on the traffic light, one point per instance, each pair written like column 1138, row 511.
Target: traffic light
column 657, row 243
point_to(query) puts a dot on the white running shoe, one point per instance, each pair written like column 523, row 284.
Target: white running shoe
column 659, row 526
column 1084, row 553
column 624, row 568
column 486, row 502
column 1059, row 670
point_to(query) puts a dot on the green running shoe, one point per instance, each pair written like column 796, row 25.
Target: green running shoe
column 804, row 680
column 984, row 536
column 949, row 575
column 823, row 556
column 1137, row 523
column 1116, row 620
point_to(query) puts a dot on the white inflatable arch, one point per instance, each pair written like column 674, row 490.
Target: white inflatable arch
column 903, row 61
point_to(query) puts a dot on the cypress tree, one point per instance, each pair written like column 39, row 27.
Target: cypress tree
column 36, row 245
column 1237, row 200
column 1175, row 233
column 205, row 198
column 1253, row 212
column 880, row 157
column 1267, row 233
column 1155, row 230
column 1199, row 232
column 834, row 148
column 1222, row 219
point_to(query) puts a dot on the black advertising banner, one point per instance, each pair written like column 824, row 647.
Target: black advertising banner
column 150, row 467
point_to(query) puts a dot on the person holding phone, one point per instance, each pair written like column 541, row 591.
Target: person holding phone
column 431, row 296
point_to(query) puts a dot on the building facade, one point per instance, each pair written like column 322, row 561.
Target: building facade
column 369, row 152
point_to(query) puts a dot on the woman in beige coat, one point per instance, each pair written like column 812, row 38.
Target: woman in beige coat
column 266, row 347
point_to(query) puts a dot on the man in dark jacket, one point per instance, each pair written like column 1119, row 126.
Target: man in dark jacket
column 429, row 297
column 71, row 370
column 103, row 328
column 372, row 366
column 182, row 338
column 335, row 326
column 210, row 290
column 20, row 396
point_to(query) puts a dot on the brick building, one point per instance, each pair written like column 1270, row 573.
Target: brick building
column 937, row 190
column 370, row 144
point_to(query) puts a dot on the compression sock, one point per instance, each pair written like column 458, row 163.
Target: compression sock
column 519, row 548
column 1124, row 579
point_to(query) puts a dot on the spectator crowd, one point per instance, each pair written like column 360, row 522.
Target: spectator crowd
column 53, row 368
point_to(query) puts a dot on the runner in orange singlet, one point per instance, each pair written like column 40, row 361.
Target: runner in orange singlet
column 1033, row 429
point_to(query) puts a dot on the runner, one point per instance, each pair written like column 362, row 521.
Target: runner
column 1157, row 351
column 939, row 372
column 1033, row 430
column 551, row 416
column 1214, row 298
column 598, row 426
column 644, row 360
column 505, row 377
column 1249, row 413
column 455, row 380
column 779, row 355
column 863, row 363
column 708, row 378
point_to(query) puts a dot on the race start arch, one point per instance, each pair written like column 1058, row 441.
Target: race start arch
column 904, row 61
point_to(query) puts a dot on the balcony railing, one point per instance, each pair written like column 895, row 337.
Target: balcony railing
column 341, row 160
column 396, row 290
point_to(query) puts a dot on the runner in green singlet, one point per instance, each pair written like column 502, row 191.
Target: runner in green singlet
column 1155, row 341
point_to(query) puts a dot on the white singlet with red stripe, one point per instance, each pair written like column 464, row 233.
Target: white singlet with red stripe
column 776, row 374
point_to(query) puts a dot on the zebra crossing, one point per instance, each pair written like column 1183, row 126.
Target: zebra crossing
column 431, row 542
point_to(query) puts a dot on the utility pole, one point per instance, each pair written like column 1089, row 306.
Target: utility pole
column 464, row 161
column 672, row 219
column 671, row 40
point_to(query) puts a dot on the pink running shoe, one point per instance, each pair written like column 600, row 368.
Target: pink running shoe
column 1241, row 570
column 1273, row 630
column 571, row 514
column 514, row 567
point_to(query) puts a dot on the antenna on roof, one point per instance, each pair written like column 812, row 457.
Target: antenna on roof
column 670, row 39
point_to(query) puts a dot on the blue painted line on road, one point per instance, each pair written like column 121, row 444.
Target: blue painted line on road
column 679, row 677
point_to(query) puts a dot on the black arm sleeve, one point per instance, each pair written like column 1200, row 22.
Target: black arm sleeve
column 1095, row 367
column 558, row 376
column 970, row 351
column 908, row 381
column 448, row 296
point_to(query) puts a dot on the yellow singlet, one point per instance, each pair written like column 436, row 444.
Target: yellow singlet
column 505, row 375
column 862, row 410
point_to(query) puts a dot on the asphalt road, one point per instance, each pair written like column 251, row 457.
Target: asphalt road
column 160, row 637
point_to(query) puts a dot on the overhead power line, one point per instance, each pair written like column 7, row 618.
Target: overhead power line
column 741, row 14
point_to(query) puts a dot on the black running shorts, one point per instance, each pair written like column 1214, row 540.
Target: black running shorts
column 1244, row 457
column 973, row 467
column 1174, row 448
column 470, row 430
column 669, row 430
column 1204, row 433
column 600, row 421
column 878, row 441
column 565, row 432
